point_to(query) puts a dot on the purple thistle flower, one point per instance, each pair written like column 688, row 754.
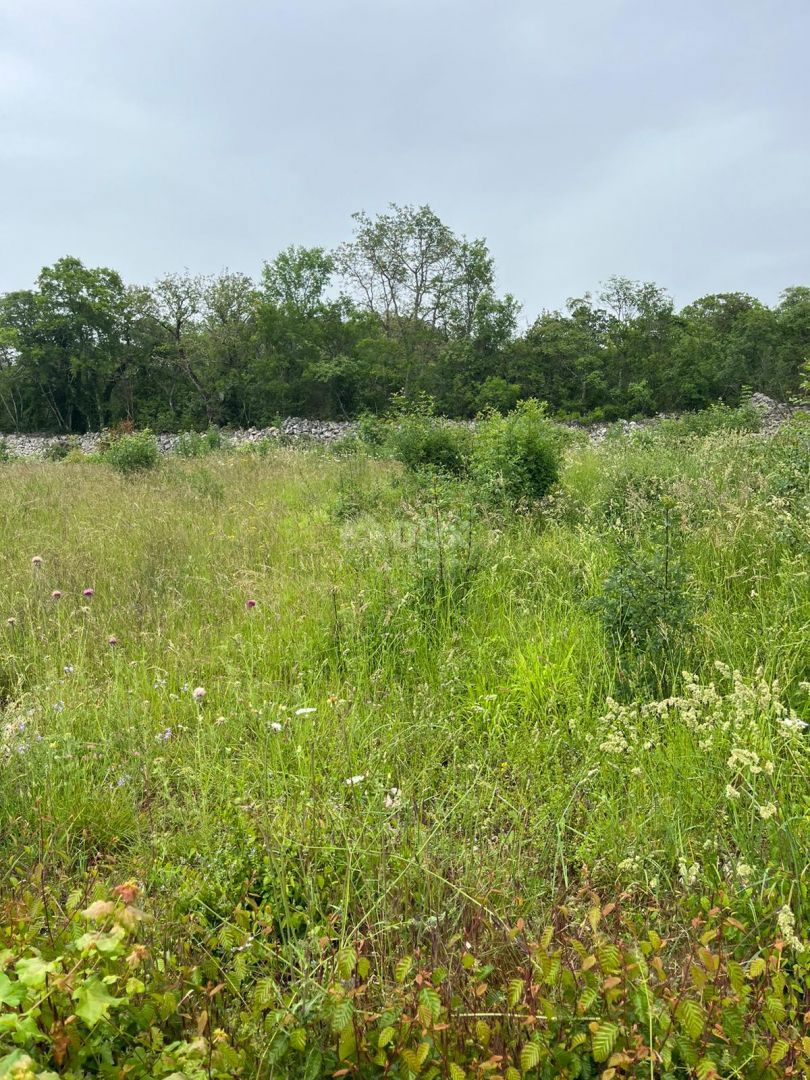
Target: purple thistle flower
column 88, row 593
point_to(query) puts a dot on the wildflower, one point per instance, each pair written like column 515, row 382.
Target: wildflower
column 732, row 792
column 249, row 604
column 56, row 595
column 689, row 874
column 352, row 781
column 11, row 621
column 767, row 811
column 164, row 736
column 786, row 921
column 68, row 669
column 198, row 693
column 88, row 593
column 393, row 799
column 112, row 641
column 58, row 706
column 744, row 872
column 305, row 711
column 793, row 723
column 36, row 562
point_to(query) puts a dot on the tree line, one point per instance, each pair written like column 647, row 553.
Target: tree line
column 405, row 307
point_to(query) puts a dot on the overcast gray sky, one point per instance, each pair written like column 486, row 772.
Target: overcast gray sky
column 582, row 138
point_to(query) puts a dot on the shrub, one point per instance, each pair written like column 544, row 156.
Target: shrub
column 5, row 453
column 132, row 453
column 646, row 607
column 517, row 457
column 414, row 435
column 194, row 444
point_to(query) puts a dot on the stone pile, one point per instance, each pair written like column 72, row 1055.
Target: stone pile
column 293, row 427
column 329, row 431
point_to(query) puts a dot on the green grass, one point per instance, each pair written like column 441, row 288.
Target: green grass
column 444, row 654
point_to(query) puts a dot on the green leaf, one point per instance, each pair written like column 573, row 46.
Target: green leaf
column 385, row 1037
column 779, row 1049
column 298, row 1039
column 603, row 1039
column 775, row 1008
column 402, row 970
column 346, row 1044
column 342, row 1015
column 756, row 968
column 529, row 1057
column 610, row 960
column 515, row 992
column 691, row 1017
column 430, row 1004
column 93, row 1003
column 456, row 1072
column 706, row 1069
column 11, row 993
column 34, row 971
column 346, row 960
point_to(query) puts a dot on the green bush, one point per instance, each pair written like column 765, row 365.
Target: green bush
column 5, row 453
column 195, row 444
column 517, row 457
column 414, row 435
column 646, row 607
column 132, row 453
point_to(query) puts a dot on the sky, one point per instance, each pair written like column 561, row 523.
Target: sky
column 585, row 138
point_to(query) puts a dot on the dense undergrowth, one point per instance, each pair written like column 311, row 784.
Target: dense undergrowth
column 415, row 774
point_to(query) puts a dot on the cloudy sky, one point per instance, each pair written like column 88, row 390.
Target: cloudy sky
column 666, row 142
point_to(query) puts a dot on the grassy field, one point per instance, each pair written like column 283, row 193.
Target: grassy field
column 324, row 711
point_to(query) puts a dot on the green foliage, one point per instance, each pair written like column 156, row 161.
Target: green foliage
column 516, row 458
column 195, row 444
column 422, row 441
column 601, row 992
column 133, row 453
column 646, row 606
column 406, row 303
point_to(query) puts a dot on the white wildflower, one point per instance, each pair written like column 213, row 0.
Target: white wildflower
column 276, row 726
column 744, row 872
column 352, row 781
column 198, row 693
column 767, row 811
column 786, row 921
column 305, row 711
column 732, row 792
column 689, row 873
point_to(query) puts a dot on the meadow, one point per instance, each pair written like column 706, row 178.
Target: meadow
column 395, row 779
